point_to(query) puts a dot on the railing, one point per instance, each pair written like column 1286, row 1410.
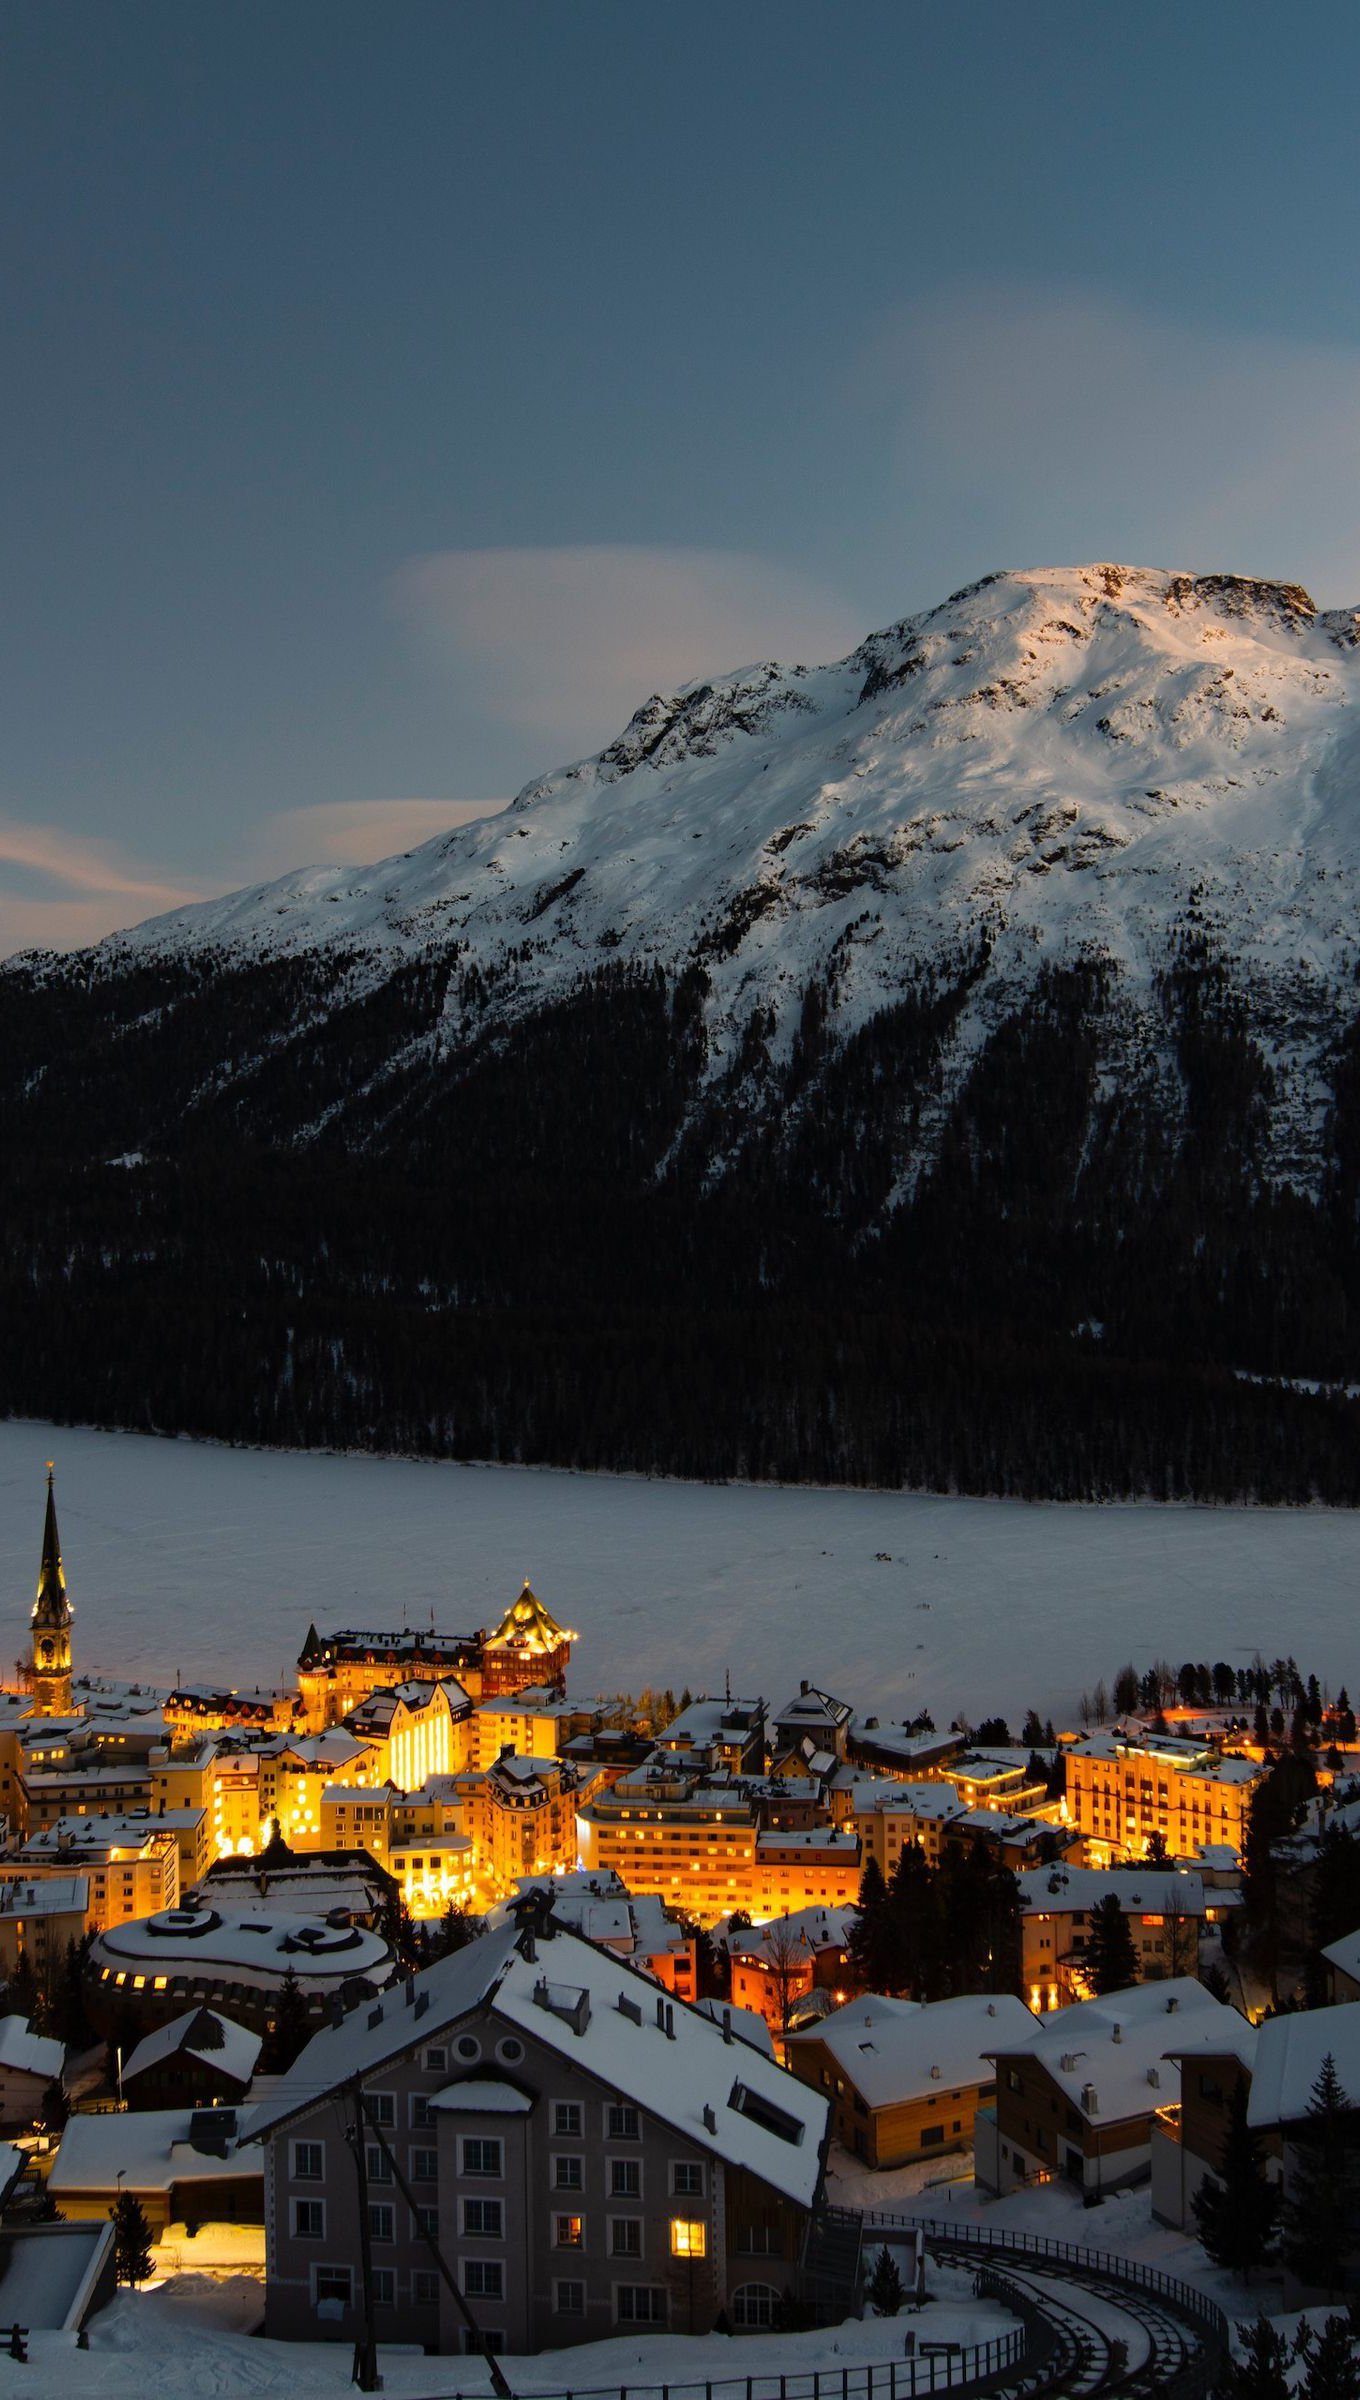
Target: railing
column 945, row 2370
column 1183, row 2297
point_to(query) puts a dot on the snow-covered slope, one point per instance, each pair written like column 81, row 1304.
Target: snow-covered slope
column 1026, row 755
column 1053, row 763
column 991, row 992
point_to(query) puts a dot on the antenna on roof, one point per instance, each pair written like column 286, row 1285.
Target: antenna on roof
column 727, row 1682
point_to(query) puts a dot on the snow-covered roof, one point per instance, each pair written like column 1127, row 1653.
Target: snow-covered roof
column 483, row 2096
column 151, row 2148
column 1107, row 2055
column 25, row 2053
column 1289, row 2055
column 810, row 1929
column 51, row 2273
column 251, row 1948
column 1345, row 1955
column 669, row 2059
column 747, row 2023
column 885, row 1796
column 706, row 1721
column 894, row 2050
column 812, row 1837
column 50, row 1896
column 234, row 2051
column 1061, row 1891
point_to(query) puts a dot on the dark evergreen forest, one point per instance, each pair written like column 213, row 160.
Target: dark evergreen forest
column 239, row 1202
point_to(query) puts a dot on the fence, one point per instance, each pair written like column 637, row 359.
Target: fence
column 1182, row 2297
column 878, row 2379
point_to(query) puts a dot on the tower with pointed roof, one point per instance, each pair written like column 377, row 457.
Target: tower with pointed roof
column 50, row 1647
column 527, row 1648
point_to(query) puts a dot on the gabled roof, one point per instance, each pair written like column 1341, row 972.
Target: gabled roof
column 613, row 2023
column 1289, row 2055
column 202, row 2034
column 26, row 2053
column 895, row 2050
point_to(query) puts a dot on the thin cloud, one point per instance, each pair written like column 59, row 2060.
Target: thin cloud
column 567, row 642
column 98, row 889
column 1061, row 422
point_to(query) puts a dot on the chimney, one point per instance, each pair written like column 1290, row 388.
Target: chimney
column 1172, row 2005
column 1117, row 2033
column 804, row 1688
column 727, row 2024
column 934, row 2074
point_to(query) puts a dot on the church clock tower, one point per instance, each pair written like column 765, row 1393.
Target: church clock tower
column 50, row 1653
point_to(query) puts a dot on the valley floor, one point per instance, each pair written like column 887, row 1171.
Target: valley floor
column 188, row 1559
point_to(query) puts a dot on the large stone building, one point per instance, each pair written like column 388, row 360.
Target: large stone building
column 337, row 1671
column 1124, row 1787
column 548, row 2135
column 137, row 1976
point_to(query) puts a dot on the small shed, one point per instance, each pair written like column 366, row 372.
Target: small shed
column 198, row 2060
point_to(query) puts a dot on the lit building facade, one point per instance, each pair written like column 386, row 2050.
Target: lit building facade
column 1123, row 1788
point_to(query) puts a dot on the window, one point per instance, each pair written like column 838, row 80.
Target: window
column 568, row 2233
column 483, row 2278
column 640, row 2304
column 468, row 2047
column 380, row 2108
column 754, row 2304
column 425, row 2287
column 625, row 2178
column 377, row 2163
column 426, row 2221
column 425, row 2166
column 384, row 2288
column 484, row 2216
column 309, row 2162
column 621, row 2122
column 309, row 2220
column 931, row 2133
column 511, row 2050
column 437, row 2061
column 422, row 2114
column 381, row 2221
column 569, row 2174
column 335, row 2284
column 481, row 2156
column 761, row 2241
column 625, row 2237
column 687, row 2179
column 689, row 2237
column 569, row 2298
column 566, row 2119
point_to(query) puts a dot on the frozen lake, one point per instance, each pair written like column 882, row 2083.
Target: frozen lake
column 186, row 1559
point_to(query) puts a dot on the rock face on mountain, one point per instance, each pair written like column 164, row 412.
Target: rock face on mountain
column 940, row 1066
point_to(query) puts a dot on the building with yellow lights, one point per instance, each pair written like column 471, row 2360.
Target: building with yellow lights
column 414, row 1730
column 674, row 1831
column 1122, row 1788
column 337, row 1671
column 521, row 1816
column 1166, row 1909
column 131, row 1864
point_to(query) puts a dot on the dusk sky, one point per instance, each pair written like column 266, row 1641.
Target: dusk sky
column 395, row 395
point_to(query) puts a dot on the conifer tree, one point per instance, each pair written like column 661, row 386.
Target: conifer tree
column 1111, row 1959
column 1322, row 2205
column 1262, row 2372
column 1236, row 2209
column 288, row 2030
column 886, row 2288
column 131, row 2240
column 869, row 1942
column 1333, row 2365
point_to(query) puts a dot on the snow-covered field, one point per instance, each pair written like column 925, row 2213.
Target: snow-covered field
column 187, row 1559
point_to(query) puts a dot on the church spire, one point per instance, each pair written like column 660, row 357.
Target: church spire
column 51, row 1622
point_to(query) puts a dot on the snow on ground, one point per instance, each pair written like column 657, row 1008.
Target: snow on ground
column 187, row 1558
column 196, row 2335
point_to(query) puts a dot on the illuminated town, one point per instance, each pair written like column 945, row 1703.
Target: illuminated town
column 916, row 1938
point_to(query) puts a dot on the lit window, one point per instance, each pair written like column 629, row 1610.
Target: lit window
column 689, row 2237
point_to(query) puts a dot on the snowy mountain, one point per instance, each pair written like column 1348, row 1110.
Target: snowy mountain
column 1018, row 949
